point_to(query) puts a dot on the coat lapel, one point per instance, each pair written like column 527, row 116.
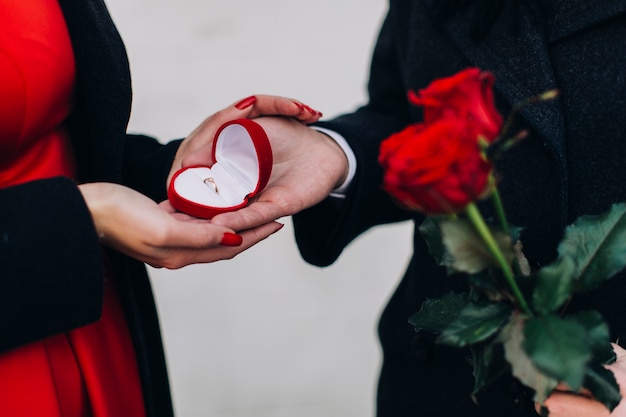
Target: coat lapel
column 103, row 88
column 568, row 17
column 520, row 58
column 520, row 61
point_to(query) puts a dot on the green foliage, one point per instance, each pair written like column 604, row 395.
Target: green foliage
column 596, row 246
column 522, row 365
column 475, row 323
column 597, row 336
column 467, row 250
column 540, row 346
column 436, row 314
column 591, row 252
column 554, row 286
column 602, row 385
column 489, row 363
column 558, row 347
column 429, row 229
column 455, row 244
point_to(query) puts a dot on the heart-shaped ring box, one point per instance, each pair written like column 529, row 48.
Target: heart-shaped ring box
column 242, row 168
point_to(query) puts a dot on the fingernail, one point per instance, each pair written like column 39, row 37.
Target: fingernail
column 300, row 107
column 246, row 102
column 231, row 239
column 310, row 110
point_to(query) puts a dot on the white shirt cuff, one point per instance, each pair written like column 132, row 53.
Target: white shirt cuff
column 340, row 192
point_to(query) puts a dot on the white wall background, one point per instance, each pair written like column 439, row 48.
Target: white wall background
column 264, row 334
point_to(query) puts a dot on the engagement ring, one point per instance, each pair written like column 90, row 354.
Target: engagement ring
column 210, row 181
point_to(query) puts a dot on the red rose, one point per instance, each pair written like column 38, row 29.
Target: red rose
column 439, row 166
column 465, row 95
column 435, row 168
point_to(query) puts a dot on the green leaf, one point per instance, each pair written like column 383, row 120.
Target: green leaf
column 489, row 364
column 475, row 323
column 596, row 245
column 522, row 262
column 603, row 386
column 483, row 281
column 468, row 251
column 558, row 347
column 515, row 232
column 555, row 283
column 597, row 336
column 437, row 313
column 429, row 229
column 483, row 285
column 522, row 367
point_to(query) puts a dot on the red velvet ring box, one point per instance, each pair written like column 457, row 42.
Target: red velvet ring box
column 242, row 168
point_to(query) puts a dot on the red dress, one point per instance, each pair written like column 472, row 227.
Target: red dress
column 92, row 370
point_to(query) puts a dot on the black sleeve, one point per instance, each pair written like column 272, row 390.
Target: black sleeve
column 324, row 230
column 51, row 271
column 147, row 164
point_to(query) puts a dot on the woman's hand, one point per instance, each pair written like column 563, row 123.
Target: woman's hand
column 567, row 404
column 196, row 148
column 158, row 235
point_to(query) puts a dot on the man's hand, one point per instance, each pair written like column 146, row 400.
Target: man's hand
column 196, row 148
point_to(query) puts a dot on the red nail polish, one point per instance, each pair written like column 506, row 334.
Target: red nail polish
column 246, row 102
column 231, row 239
column 300, row 107
column 310, row 110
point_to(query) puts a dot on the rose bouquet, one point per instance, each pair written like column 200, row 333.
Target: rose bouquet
column 443, row 167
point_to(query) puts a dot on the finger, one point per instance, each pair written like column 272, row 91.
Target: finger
column 257, row 234
column 619, row 351
column 196, row 149
column 307, row 114
column 179, row 257
column 250, row 237
column 256, row 214
column 563, row 387
column 255, row 106
column 201, row 234
column 166, row 206
column 266, row 105
column 561, row 404
column 200, row 152
column 202, row 156
column 192, row 154
column 197, row 234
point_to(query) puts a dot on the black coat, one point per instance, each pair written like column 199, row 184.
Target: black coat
column 51, row 268
column 571, row 164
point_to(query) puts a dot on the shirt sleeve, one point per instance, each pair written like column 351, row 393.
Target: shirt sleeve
column 340, row 192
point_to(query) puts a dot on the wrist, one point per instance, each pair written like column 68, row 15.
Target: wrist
column 348, row 163
column 93, row 194
column 341, row 163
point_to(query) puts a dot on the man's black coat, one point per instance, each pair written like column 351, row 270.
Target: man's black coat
column 571, row 164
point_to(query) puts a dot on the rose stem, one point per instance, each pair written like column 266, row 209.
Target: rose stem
column 497, row 204
column 499, row 208
column 483, row 230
